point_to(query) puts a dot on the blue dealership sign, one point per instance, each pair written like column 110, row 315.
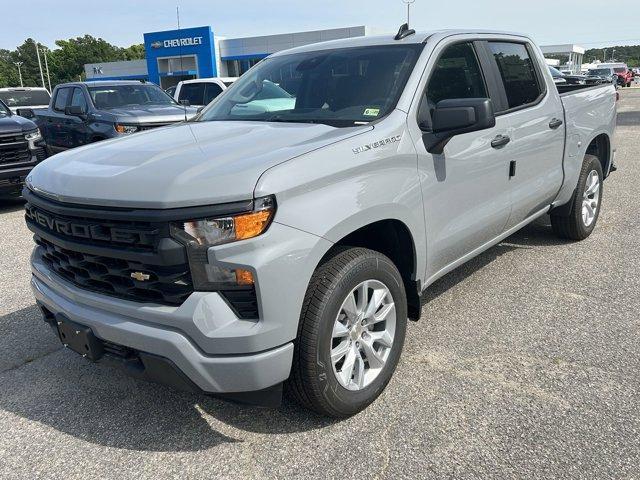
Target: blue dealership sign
column 189, row 42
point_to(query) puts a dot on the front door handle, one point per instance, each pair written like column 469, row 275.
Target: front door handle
column 555, row 123
column 500, row 141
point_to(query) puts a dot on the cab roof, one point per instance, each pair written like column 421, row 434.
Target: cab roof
column 389, row 39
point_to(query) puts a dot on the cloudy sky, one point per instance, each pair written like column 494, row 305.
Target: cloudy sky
column 587, row 22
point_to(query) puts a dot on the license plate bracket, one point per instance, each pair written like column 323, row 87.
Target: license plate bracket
column 79, row 338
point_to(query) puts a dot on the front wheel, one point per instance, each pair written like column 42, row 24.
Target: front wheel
column 351, row 333
column 585, row 207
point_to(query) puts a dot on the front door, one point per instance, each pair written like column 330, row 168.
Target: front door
column 466, row 188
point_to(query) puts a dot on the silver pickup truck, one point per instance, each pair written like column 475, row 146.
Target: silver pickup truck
column 246, row 255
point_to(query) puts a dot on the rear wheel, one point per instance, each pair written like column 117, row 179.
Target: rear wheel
column 585, row 207
column 351, row 333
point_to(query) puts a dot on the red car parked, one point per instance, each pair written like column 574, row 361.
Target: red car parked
column 625, row 76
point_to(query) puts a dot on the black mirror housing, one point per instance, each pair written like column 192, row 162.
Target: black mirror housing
column 26, row 112
column 74, row 110
column 456, row 116
column 185, row 103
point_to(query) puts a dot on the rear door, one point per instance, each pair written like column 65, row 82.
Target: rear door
column 533, row 115
column 193, row 93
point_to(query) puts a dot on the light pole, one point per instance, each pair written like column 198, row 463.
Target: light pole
column 39, row 64
column 604, row 56
column 613, row 55
column 19, row 64
column 408, row 3
column 46, row 67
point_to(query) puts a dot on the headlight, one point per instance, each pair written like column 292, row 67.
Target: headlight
column 200, row 234
column 216, row 231
column 125, row 128
column 33, row 136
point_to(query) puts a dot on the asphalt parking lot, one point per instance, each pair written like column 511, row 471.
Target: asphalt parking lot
column 525, row 364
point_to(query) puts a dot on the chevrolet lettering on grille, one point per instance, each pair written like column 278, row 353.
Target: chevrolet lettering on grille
column 89, row 230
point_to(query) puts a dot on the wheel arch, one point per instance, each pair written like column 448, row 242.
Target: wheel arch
column 393, row 238
column 600, row 146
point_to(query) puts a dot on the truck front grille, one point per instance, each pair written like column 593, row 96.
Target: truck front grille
column 119, row 252
column 14, row 149
column 113, row 276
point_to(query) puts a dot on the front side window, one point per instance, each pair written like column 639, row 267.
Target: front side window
column 457, row 74
column 517, row 71
column 62, row 98
column 118, row 96
column 341, row 87
column 192, row 93
column 78, row 100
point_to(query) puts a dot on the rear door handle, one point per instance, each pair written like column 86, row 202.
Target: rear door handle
column 500, row 141
column 555, row 123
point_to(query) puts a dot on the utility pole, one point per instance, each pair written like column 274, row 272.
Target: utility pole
column 408, row 3
column 39, row 64
column 604, row 56
column 613, row 55
column 46, row 67
column 19, row 64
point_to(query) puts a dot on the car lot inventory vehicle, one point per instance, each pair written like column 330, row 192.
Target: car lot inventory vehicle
column 21, row 148
column 560, row 77
column 25, row 97
column 606, row 74
column 625, row 76
column 201, row 91
column 237, row 254
column 86, row 112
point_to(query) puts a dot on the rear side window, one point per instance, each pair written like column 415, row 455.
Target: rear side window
column 211, row 92
column 62, row 98
column 517, row 71
column 193, row 92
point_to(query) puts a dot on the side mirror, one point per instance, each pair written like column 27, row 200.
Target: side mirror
column 74, row 110
column 26, row 112
column 454, row 117
column 185, row 103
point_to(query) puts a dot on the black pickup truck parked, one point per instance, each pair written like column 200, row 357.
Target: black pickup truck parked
column 87, row 112
column 21, row 148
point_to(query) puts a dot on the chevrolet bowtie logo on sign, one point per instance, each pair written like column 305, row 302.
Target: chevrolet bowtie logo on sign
column 140, row 276
column 156, row 45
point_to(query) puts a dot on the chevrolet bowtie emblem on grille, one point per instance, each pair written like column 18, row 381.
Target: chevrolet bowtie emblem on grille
column 140, row 276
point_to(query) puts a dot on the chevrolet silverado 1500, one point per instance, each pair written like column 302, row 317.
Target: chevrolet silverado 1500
column 242, row 253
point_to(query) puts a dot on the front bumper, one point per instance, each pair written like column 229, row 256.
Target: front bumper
column 216, row 350
column 210, row 373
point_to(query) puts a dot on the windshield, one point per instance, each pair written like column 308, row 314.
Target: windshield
column 25, row 98
column 116, row 96
column 599, row 71
column 4, row 110
column 620, row 69
column 335, row 87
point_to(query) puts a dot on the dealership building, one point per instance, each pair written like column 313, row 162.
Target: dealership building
column 175, row 55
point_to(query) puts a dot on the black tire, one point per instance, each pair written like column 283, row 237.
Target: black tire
column 572, row 226
column 313, row 382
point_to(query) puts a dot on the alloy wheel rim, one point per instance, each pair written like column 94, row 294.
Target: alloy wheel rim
column 363, row 334
column 590, row 198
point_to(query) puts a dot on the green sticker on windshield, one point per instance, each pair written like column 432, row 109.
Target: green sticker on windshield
column 371, row 112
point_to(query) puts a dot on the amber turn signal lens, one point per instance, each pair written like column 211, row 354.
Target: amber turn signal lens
column 252, row 224
column 244, row 277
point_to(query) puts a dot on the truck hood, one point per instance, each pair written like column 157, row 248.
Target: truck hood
column 15, row 124
column 152, row 114
column 189, row 164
